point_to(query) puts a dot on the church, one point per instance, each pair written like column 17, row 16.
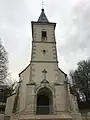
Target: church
column 43, row 90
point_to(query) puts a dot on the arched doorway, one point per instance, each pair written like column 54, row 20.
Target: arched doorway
column 44, row 101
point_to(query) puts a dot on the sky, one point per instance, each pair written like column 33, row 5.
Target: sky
column 72, row 30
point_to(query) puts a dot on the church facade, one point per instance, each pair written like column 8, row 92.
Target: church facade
column 43, row 90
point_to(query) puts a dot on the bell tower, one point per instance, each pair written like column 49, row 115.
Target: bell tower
column 44, row 54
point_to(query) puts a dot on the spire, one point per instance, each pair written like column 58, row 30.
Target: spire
column 42, row 17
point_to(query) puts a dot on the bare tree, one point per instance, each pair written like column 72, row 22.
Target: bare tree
column 7, row 85
column 3, row 63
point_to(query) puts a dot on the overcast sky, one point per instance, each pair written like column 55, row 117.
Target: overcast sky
column 72, row 30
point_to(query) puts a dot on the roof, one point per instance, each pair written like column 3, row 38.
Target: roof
column 63, row 72
column 24, row 70
column 73, row 91
column 42, row 17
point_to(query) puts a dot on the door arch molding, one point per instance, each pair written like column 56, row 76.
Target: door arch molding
column 44, row 101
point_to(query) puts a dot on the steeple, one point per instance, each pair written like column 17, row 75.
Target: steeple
column 42, row 17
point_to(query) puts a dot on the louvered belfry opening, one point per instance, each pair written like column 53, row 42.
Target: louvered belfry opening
column 44, row 102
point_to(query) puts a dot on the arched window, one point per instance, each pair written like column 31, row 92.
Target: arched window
column 43, row 35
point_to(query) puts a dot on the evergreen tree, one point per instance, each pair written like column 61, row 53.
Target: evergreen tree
column 81, row 79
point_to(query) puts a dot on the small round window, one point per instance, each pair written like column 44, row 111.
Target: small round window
column 44, row 51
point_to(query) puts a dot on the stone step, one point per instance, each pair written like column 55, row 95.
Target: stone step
column 46, row 117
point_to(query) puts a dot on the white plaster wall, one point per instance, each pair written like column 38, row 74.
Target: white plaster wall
column 9, row 105
column 61, row 101
column 30, row 98
column 66, row 85
column 61, row 77
column 37, row 28
column 37, row 52
column 38, row 76
column 24, row 77
column 30, row 93
column 74, row 105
